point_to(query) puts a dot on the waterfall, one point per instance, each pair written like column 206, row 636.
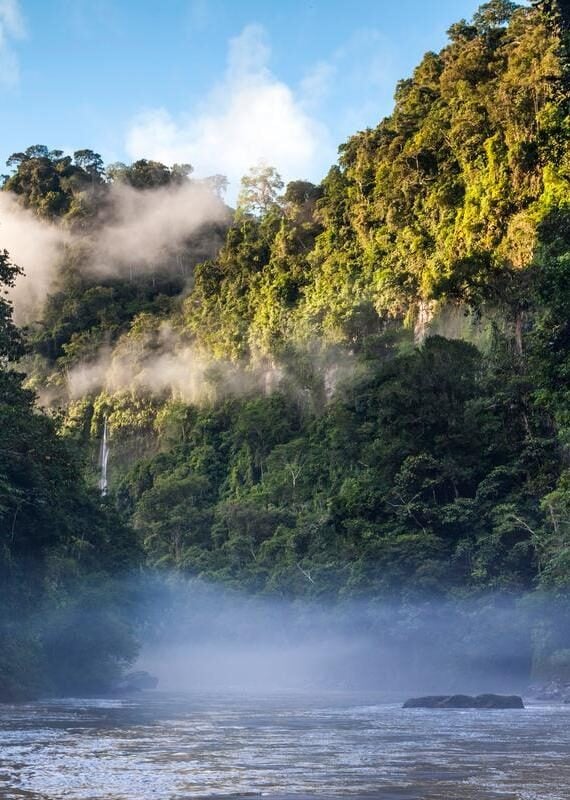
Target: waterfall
column 103, row 459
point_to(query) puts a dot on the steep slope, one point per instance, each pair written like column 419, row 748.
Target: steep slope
column 274, row 421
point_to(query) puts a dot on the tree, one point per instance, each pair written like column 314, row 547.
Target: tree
column 91, row 162
column 38, row 151
column 217, row 183
column 117, row 172
column 57, row 543
column 180, row 173
column 46, row 181
column 260, row 190
column 145, row 174
column 300, row 192
column 555, row 10
column 494, row 14
column 15, row 159
column 11, row 346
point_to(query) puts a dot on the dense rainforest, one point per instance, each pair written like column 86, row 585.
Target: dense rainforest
column 351, row 390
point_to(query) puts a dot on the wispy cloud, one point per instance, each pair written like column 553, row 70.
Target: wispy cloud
column 137, row 231
column 356, row 81
column 317, row 84
column 251, row 116
column 12, row 28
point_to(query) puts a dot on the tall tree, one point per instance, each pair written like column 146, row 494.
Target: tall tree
column 260, row 190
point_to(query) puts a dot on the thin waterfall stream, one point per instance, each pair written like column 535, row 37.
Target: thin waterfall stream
column 103, row 461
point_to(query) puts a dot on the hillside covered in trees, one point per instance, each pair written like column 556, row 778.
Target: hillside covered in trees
column 352, row 390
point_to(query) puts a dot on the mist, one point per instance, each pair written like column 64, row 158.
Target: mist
column 139, row 230
column 204, row 637
column 135, row 233
column 163, row 363
column 36, row 246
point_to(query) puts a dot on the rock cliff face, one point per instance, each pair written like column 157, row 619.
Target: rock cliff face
column 487, row 701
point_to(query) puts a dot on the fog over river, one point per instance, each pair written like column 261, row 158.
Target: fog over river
column 298, row 744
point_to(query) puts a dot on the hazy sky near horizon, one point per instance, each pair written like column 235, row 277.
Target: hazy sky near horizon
column 221, row 84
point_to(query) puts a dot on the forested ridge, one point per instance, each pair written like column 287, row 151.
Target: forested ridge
column 357, row 389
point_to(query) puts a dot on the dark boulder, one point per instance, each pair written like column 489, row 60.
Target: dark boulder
column 499, row 701
column 465, row 701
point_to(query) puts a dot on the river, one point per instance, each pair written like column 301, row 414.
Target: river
column 334, row 745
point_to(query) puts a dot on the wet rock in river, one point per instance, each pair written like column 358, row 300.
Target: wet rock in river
column 486, row 701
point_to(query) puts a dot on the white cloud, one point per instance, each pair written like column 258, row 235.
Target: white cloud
column 318, row 83
column 250, row 117
column 11, row 28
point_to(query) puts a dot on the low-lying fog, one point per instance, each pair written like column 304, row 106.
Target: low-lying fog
column 202, row 637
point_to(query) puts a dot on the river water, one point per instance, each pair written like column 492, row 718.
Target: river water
column 301, row 745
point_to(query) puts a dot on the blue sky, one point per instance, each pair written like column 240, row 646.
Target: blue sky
column 221, row 84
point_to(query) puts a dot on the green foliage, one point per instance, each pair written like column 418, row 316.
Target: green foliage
column 47, row 181
column 11, row 344
column 260, row 190
column 443, row 201
column 55, row 536
column 493, row 14
column 420, row 477
column 379, row 469
column 145, row 174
